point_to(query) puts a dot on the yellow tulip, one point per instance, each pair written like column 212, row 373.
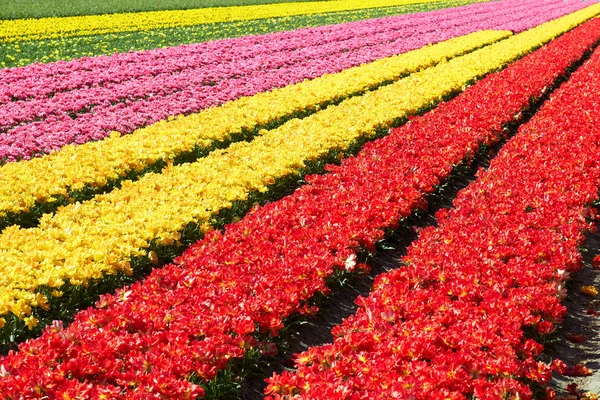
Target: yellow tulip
column 31, row 322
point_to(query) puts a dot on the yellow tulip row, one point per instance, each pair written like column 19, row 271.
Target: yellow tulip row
column 85, row 241
column 51, row 28
column 44, row 179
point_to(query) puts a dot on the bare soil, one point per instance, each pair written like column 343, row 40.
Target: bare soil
column 579, row 322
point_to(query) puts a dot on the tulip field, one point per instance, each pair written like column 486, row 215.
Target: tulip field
column 184, row 188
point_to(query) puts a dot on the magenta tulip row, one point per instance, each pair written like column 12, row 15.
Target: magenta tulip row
column 451, row 321
column 191, row 318
column 105, row 94
column 40, row 80
column 154, row 104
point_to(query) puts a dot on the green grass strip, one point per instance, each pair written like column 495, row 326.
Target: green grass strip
column 14, row 54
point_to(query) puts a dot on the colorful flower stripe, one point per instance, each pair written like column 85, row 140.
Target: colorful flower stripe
column 451, row 322
column 525, row 23
column 44, row 179
column 180, row 320
column 57, row 130
column 160, row 83
column 85, row 241
column 14, row 54
column 43, row 80
column 163, row 81
column 47, row 28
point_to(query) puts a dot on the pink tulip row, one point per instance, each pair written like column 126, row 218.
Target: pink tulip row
column 45, row 79
column 163, row 84
column 26, row 141
column 58, row 130
column 194, row 316
column 452, row 320
column 165, row 80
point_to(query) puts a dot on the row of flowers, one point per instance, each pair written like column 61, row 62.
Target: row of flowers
column 82, row 242
column 163, row 81
column 452, row 319
column 14, row 54
column 47, row 28
column 190, row 319
column 39, row 80
column 62, row 110
column 42, row 180
column 83, row 115
column 44, row 82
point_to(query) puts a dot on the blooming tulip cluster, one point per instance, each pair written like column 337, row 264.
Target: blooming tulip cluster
column 13, row 54
column 82, row 242
column 45, row 79
column 136, row 103
column 163, row 81
column 544, row 14
column 82, row 111
column 193, row 317
column 36, row 81
column 16, row 54
column 50, row 28
column 42, row 180
column 452, row 320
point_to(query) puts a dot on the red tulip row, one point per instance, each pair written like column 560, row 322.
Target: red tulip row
column 451, row 323
column 188, row 320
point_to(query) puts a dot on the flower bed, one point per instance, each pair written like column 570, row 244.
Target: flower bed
column 160, row 100
column 190, row 319
column 453, row 320
column 48, row 28
column 84, row 241
column 63, row 174
column 26, row 53
column 46, row 79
